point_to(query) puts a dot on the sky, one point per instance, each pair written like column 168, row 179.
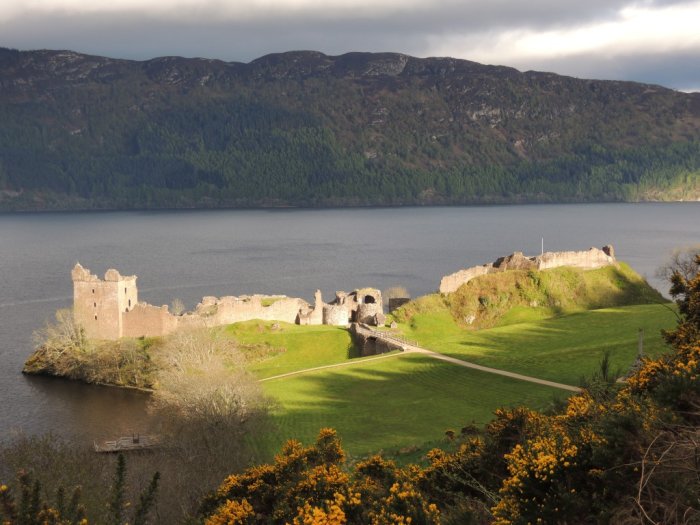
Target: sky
column 654, row 41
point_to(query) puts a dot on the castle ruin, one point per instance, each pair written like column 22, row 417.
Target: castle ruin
column 587, row 260
column 109, row 308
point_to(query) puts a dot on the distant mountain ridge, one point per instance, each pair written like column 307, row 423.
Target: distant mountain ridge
column 306, row 129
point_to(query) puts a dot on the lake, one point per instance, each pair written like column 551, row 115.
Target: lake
column 190, row 254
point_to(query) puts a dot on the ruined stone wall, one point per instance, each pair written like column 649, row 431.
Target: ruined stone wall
column 230, row 309
column 336, row 315
column 364, row 305
column 149, row 321
column 313, row 316
column 587, row 259
column 108, row 308
column 450, row 283
column 368, row 313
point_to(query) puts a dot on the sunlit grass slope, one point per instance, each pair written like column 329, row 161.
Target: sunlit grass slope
column 395, row 402
column 281, row 347
column 559, row 349
column 552, row 324
column 528, row 295
column 542, row 325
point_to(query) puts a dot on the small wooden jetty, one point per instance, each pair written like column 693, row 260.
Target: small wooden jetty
column 128, row 443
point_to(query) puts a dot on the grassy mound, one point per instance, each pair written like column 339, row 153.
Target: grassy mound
column 520, row 295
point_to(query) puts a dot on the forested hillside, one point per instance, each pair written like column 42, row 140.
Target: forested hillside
column 303, row 128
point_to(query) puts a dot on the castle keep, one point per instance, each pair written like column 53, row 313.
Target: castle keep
column 109, row 308
column 100, row 306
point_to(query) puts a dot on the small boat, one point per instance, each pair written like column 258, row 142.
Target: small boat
column 123, row 444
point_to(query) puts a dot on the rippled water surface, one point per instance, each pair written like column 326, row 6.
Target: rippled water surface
column 187, row 255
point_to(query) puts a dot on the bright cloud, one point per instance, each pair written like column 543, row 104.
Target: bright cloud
column 635, row 30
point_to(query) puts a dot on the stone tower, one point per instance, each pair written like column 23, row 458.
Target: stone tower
column 98, row 304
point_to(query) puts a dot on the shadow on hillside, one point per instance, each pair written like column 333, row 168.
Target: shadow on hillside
column 353, row 351
column 564, row 348
column 407, row 400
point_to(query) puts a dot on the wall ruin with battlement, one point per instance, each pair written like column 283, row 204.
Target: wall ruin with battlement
column 587, row 260
column 109, row 309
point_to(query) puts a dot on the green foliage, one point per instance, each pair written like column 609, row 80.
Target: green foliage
column 117, row 500
column 31, row 509
column 147, row 501
column 181, row 133
column 623, row 453
column 685, row 289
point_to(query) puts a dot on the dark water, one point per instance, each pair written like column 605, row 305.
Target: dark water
column 187, row 255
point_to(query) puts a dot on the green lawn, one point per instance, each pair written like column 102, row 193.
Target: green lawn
column 298, row 347
column 560, row 349
column 394, row 402
column 409, row 400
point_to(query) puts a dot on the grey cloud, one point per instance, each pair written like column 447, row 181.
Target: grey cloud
column 135, row 36
column 669, row 69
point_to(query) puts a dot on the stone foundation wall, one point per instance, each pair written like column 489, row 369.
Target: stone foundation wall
column 311, row 316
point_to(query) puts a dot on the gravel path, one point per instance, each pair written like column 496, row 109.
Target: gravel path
column 490, row 370
column 344, row 363
column 409, row 348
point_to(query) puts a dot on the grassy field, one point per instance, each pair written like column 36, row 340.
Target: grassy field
column 291, row 347
column 560, row 349
column 409, row 400
column 391, row 403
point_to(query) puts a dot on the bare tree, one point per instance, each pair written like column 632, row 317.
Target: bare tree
column 669, row 478
column 203, row 378
column 62, row 334
column 177, row 307
column 209, row 406
column 681, row 261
